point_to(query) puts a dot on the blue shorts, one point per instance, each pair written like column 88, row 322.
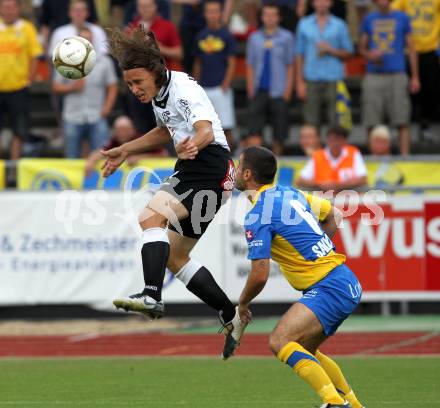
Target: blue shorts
column 333, row 298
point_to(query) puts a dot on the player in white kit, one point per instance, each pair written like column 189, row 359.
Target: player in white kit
column 179, row 213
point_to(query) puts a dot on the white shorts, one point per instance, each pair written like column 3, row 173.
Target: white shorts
column 223, row 103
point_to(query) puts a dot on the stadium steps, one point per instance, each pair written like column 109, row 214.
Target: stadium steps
column 44, row 120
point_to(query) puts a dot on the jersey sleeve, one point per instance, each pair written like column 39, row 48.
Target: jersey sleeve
column 251, row 53
column 231, row 45
column 300, row 46
column 366, row 26
column 259, row 239
column 308, row 171
column 359, row 165
column 345, row 38
column 407, row 24
column 320, row 206
column 290, row 49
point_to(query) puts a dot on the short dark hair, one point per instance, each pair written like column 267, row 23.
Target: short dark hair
column 338, row 131
column 261, row 162
column 219, row 2
column 138, row 50
column 270, row 4
column 75, row 2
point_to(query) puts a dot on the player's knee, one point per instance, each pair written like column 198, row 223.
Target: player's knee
column 278, row 339
column 276, row 342
column 176, row 263
column 151, row 219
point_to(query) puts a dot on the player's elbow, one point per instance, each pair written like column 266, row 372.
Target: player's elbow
column 263, row 277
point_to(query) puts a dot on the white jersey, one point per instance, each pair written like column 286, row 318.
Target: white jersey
column 180, row 103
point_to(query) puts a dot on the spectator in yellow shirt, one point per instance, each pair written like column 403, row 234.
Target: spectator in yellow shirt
column 425, row 24
column 19, row 49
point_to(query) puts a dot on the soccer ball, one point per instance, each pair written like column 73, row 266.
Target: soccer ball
column 74, row 57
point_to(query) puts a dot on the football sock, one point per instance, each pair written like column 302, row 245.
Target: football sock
column 155, row 253
column 338, row 379
column 200, row 281
column 309, row 369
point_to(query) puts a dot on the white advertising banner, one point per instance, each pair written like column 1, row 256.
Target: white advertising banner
column 79, row 248
column 84, row 248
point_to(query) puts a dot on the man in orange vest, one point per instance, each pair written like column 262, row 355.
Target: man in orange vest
column 339, row 166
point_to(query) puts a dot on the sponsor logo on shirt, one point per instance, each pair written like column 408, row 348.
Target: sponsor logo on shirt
column 184, row 105
column 249, row 235
column 256, row 243
column 166, row 116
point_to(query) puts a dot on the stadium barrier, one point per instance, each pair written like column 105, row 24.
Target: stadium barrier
column 2, row 174
column 83, row 248
column 60, row 174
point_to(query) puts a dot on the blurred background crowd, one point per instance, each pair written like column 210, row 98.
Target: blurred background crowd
column 357, row 77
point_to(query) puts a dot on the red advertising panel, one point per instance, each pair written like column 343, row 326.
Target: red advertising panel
column 432, row 227
column 400, row 252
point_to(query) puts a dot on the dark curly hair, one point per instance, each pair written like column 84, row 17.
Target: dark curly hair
column 138, row 49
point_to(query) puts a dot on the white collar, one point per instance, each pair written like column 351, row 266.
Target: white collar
column 18, row 24
column 162, row 97
column 334, row 161
column 165, row 88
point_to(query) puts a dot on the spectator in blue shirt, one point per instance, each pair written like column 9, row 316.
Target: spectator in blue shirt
column 269, row 76
column 214, row 66
column 385, row 36
column 323, row 42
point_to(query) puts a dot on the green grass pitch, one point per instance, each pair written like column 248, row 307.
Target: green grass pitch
column 207, row 383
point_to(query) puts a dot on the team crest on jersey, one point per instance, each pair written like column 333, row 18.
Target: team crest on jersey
column 249, row 235
column 184, row 105
column 166, row 116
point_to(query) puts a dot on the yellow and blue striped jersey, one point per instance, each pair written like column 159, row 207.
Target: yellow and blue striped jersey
column 283, row 224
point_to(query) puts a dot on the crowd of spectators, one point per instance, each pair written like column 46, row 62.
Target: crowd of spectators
column 289, row 53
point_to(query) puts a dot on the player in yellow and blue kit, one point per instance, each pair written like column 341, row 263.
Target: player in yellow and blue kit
column 294, row 229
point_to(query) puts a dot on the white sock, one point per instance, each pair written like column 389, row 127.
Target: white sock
column 187, row 272
column 155, row 235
